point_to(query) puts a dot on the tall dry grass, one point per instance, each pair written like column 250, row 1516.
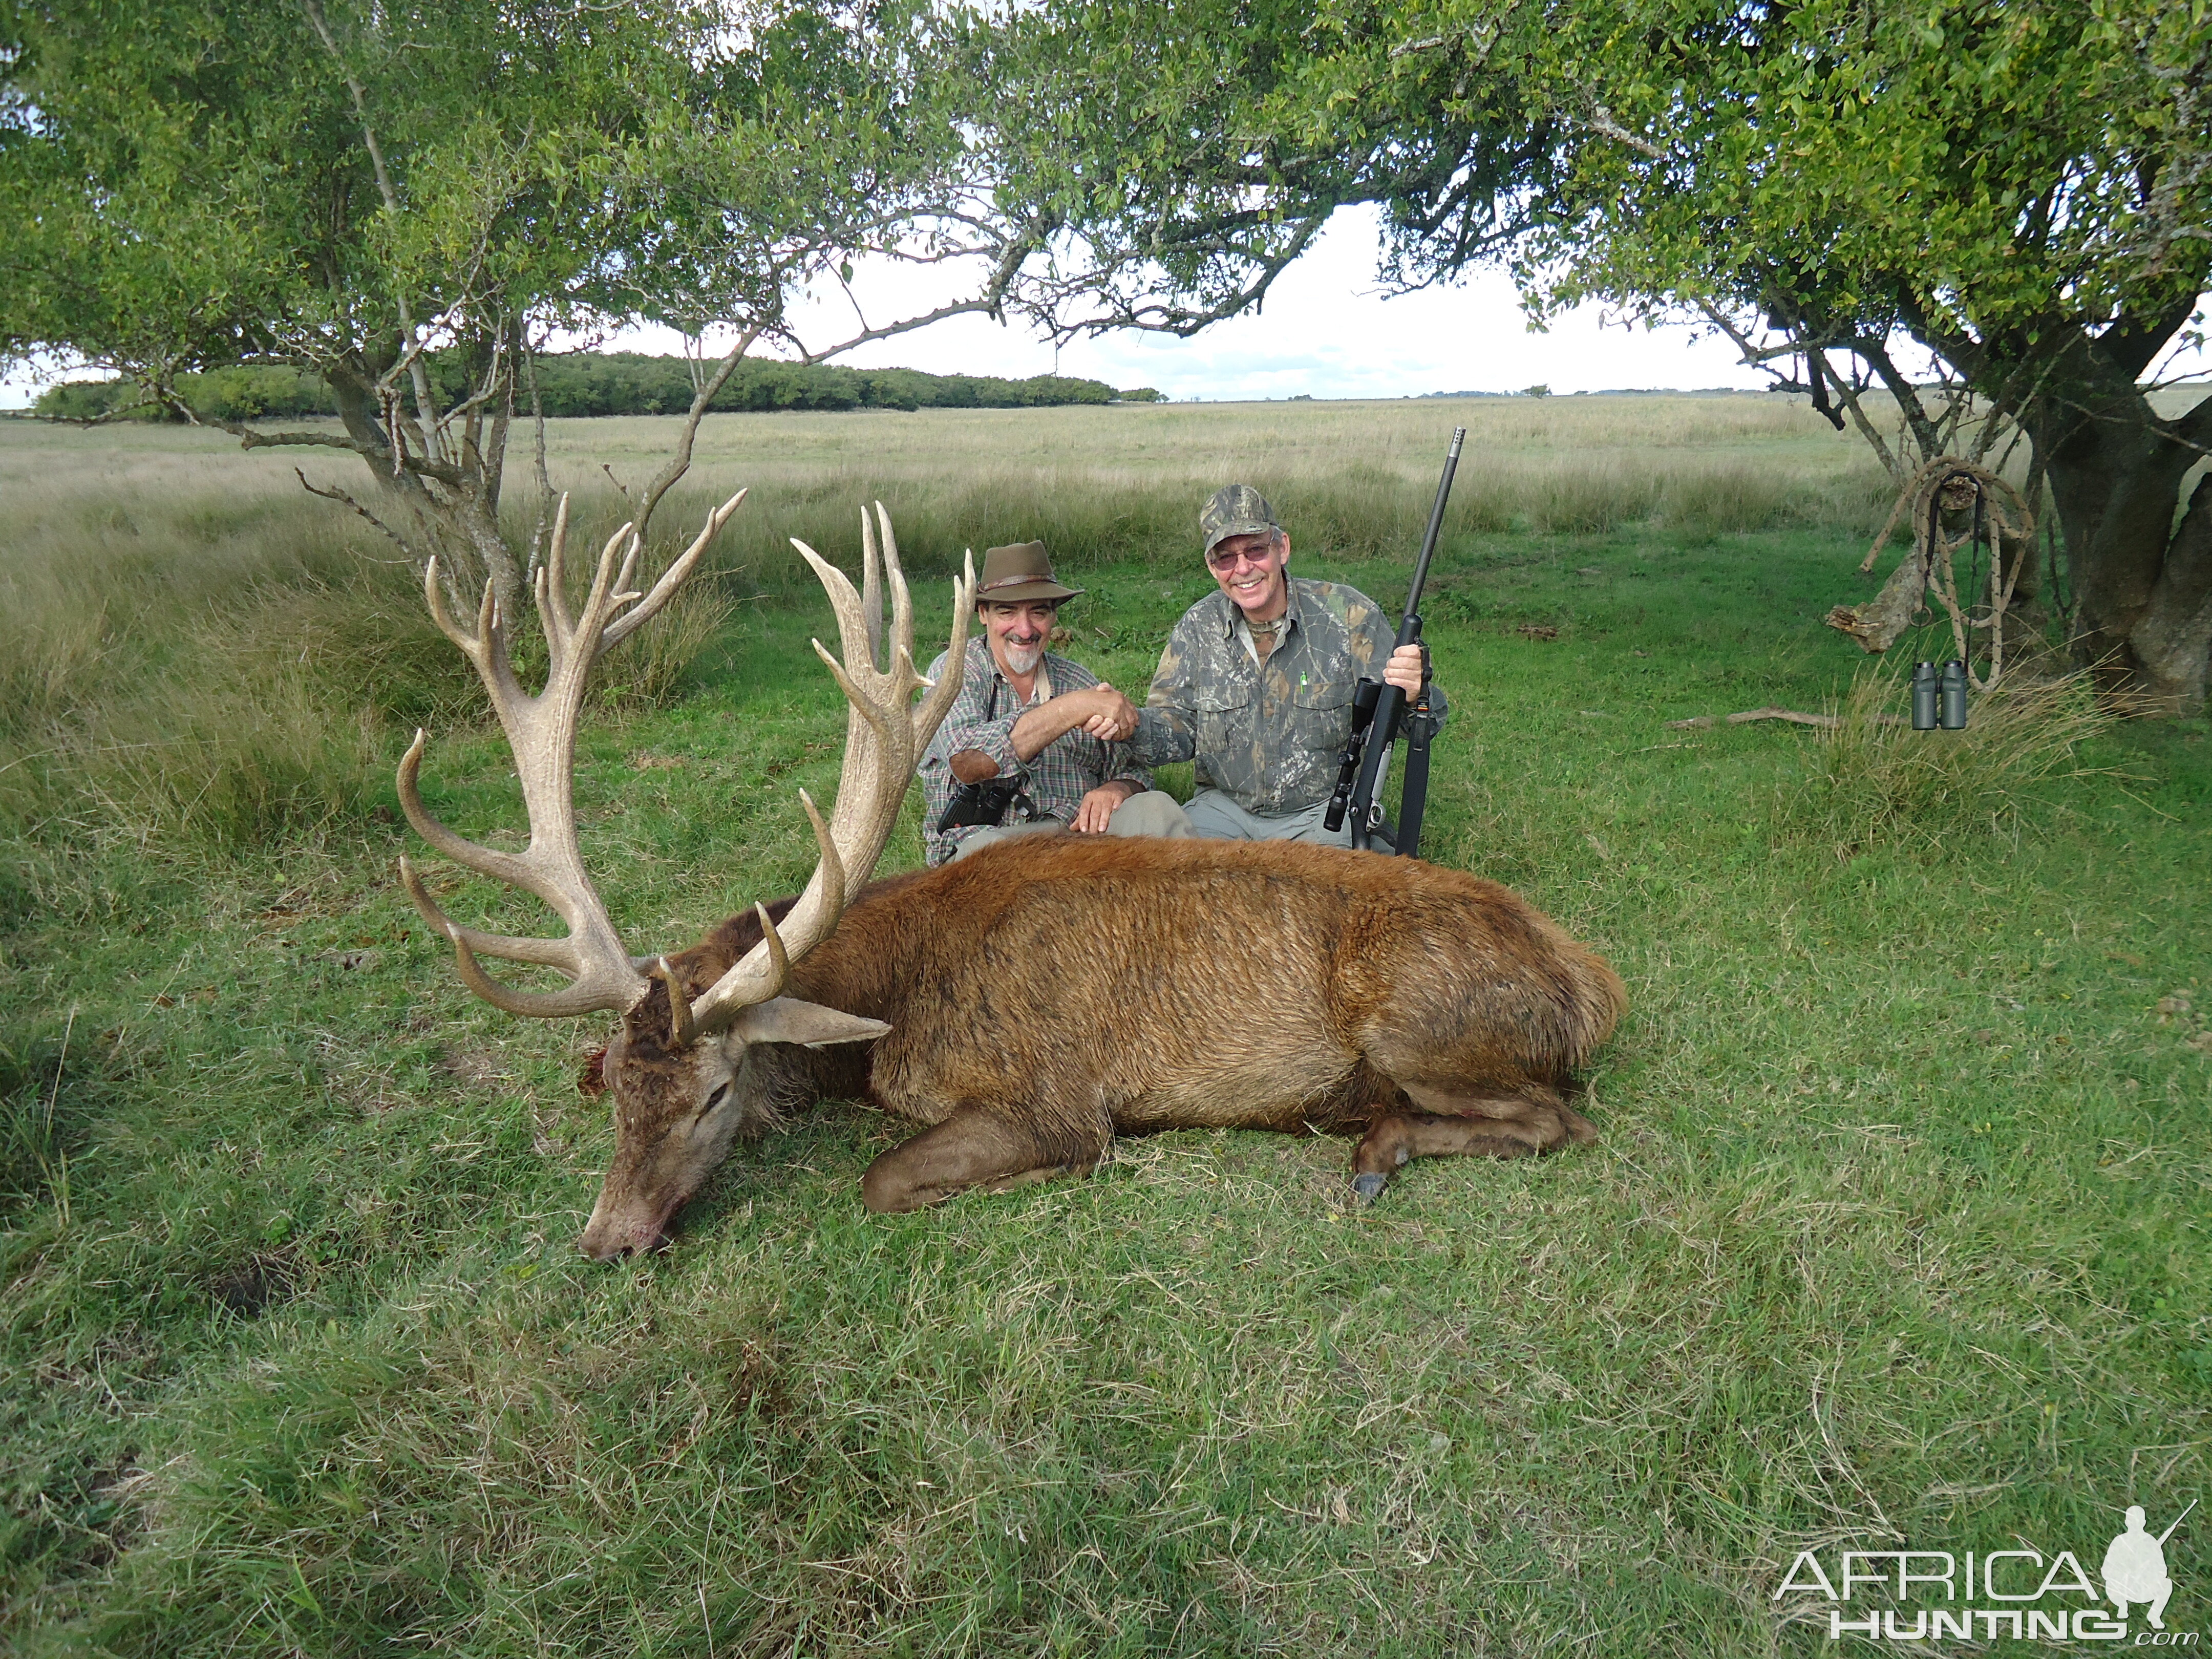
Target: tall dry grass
column 193, row 661
column 1874, row 779
column 1120, row 484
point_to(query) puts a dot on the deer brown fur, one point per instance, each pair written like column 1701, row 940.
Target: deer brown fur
column 1049, row 993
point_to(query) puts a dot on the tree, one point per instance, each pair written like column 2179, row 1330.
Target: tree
column 349, row 187
column 2023, row 188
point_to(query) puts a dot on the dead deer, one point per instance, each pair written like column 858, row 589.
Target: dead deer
column 1028, row 1005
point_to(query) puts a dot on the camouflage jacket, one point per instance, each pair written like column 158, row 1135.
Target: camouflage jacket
column 1268, row 737
column 1056, row 778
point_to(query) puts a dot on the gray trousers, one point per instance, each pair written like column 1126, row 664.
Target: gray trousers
column 1213, row 814
column 1154, row 812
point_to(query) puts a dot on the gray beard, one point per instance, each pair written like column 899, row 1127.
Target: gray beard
column 1023, row 660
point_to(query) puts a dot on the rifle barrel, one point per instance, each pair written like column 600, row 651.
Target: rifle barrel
column 1390, row 701
column 1436, row 529
column 2178, row 1519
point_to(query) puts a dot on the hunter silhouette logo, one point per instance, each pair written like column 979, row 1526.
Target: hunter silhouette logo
column 2134, row 1567
column 2015, row 1595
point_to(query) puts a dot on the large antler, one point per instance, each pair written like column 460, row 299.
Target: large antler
column 884, row 733
column 542, row 731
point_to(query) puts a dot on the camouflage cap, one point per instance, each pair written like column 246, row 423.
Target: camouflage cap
column 1235, row 510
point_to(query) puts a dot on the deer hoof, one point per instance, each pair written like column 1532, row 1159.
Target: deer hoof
column 1368, row 1188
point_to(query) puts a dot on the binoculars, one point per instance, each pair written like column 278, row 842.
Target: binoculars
column 986, row 804
column 1939, row 699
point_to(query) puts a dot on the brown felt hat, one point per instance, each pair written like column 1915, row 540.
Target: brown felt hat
column 1018, row 572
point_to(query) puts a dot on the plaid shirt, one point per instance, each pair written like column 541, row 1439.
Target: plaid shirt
column 1266, row 735
column 1056, row 778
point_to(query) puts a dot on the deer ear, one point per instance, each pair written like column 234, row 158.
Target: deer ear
column 787, row 1019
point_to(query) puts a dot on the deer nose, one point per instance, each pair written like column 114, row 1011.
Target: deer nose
column 638, row 1241
column 602, row 1252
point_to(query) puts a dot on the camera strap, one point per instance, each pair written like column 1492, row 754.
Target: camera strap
column 1020, row 803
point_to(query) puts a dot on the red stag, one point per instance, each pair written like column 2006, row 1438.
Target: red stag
column 1027, row 1005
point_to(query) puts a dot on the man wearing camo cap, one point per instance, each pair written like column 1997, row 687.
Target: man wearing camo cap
column 1257, row 679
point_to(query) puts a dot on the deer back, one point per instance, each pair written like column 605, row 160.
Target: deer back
column 1175, row 983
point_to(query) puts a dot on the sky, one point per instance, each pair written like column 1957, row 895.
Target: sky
column 1327, row 329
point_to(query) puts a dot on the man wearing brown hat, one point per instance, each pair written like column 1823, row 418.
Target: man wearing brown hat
column 1257, row 680
column 1044, row 730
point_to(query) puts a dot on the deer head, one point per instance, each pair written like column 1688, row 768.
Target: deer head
column 674, row 1070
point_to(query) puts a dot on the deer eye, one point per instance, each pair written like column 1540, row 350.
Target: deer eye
column 714, row 1100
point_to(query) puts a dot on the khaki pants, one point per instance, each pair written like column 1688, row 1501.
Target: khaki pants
column 1215, row 815
column 1155, row 813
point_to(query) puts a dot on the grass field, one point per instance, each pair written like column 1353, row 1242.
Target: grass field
column 1896, row 1234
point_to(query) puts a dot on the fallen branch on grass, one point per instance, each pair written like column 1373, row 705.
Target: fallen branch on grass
column 1795, row 717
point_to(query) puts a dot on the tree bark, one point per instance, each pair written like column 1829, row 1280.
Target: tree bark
column 2142, row 582
column 2143, row 586
column 457, row 520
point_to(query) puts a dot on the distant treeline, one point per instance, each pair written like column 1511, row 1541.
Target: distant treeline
column 603, row 383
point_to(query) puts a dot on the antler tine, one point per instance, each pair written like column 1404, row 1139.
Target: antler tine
column 762, row 972
column 681, row 1031
column 881, row 742
column 541, row 730
column 877, row 762
column 495, row 667
column 938, row 703
column 485, row 860
column 607, row 590
column 902, row 600
column 844, row 603
column 562, row 627
column 585, row 996
column 778, row 958
column 553, row 580
column 435, row 594
column 863, row 705
column 871, row 592
column 673, row 577
column 545, row 952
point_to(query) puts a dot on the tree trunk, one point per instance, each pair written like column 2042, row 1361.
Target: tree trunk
column 2143, row 584
column 2140, row 565
column 455, row 513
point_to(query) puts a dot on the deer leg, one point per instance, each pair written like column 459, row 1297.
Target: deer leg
column 1467, row 1125
column 1536, row 1113
column 971, row 1148
column 1395, row 1141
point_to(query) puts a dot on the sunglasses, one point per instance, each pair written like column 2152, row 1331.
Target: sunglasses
column 1225, row 561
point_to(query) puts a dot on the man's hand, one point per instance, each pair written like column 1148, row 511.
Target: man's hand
column 1404, row 670
column 1106, row 714
column 1097, row 811
column 1101, row 710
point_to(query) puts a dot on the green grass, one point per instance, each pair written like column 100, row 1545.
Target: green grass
column 1897, row 1230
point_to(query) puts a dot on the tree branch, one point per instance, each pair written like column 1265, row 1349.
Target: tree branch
column 424, row 407
column 345, row 500
column 1900, row 386
column 1601, row 121
column 680, row 463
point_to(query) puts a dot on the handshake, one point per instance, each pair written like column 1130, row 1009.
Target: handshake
column 1101, row 710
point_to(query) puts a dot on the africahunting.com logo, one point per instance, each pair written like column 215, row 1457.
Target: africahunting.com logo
column 2015, row 1595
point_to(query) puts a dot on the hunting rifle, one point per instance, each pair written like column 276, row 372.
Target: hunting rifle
column 1380, row 714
